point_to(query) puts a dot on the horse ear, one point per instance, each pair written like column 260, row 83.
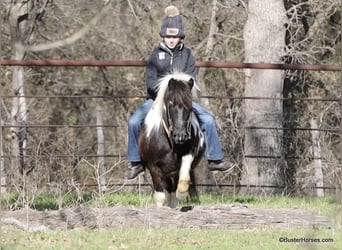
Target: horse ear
column 191, row 83
column 172, row 83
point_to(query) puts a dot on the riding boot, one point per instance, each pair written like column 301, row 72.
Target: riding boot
column 220, row 165
column 134, row 169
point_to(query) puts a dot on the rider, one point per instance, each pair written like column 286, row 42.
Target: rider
column 171, row 55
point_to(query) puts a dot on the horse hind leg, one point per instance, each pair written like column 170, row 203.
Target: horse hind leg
column 162, row 198
column 159, row 198
column 158, row 186
column 171, row 199
column 184, row 177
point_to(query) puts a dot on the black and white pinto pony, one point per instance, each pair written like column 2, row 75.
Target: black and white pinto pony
column 171, row 142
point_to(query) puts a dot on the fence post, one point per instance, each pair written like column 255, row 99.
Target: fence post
column 2, row 167
column 102, row 182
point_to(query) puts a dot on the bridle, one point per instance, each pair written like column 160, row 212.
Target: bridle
column 168, row 126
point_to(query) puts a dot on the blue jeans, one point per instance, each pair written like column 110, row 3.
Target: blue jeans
column 206, row 120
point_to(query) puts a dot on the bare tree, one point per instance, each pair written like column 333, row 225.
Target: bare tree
column 208, row 51
column 313, row 31
column 264, row 42
column 24, row 17
column 20, row 31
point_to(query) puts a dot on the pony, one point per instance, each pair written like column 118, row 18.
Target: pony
column 171, row 142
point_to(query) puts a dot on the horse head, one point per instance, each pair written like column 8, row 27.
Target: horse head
column 178, row 105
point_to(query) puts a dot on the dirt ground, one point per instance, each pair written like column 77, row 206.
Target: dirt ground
column 235, row 217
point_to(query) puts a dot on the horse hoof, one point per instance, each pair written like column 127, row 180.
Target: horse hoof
column 181, row 195
column 183, row 186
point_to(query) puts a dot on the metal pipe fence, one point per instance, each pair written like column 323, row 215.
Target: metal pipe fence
column 139, row 63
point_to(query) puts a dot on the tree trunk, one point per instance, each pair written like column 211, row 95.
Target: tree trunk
column 202, row 174
column 19, row 29
column 3, row 178
column 207, row 56
column 264, row 35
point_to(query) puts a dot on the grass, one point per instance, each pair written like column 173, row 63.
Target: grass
column 167, row 238
column 163, row 238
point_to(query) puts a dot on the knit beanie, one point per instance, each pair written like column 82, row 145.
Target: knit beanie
column 172, row 24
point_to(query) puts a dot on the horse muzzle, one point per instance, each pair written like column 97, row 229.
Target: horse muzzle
column 181, row 138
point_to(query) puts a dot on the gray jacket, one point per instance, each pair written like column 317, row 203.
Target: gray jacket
column 163, row 61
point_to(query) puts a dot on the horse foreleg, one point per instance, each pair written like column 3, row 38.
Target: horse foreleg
column 184, row 177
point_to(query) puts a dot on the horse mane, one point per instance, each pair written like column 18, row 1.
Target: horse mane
column 154, row 117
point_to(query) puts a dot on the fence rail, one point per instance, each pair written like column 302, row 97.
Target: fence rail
column 123, row 126
column 140, row 63
column 143, row 97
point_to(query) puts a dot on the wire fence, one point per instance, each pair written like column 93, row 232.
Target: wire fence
column 132, row 63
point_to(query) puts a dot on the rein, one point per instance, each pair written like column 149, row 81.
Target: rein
column 167, row 129
column 168, row 133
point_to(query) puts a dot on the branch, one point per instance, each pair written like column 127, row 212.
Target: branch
column 70, row 40
column 132, row 8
